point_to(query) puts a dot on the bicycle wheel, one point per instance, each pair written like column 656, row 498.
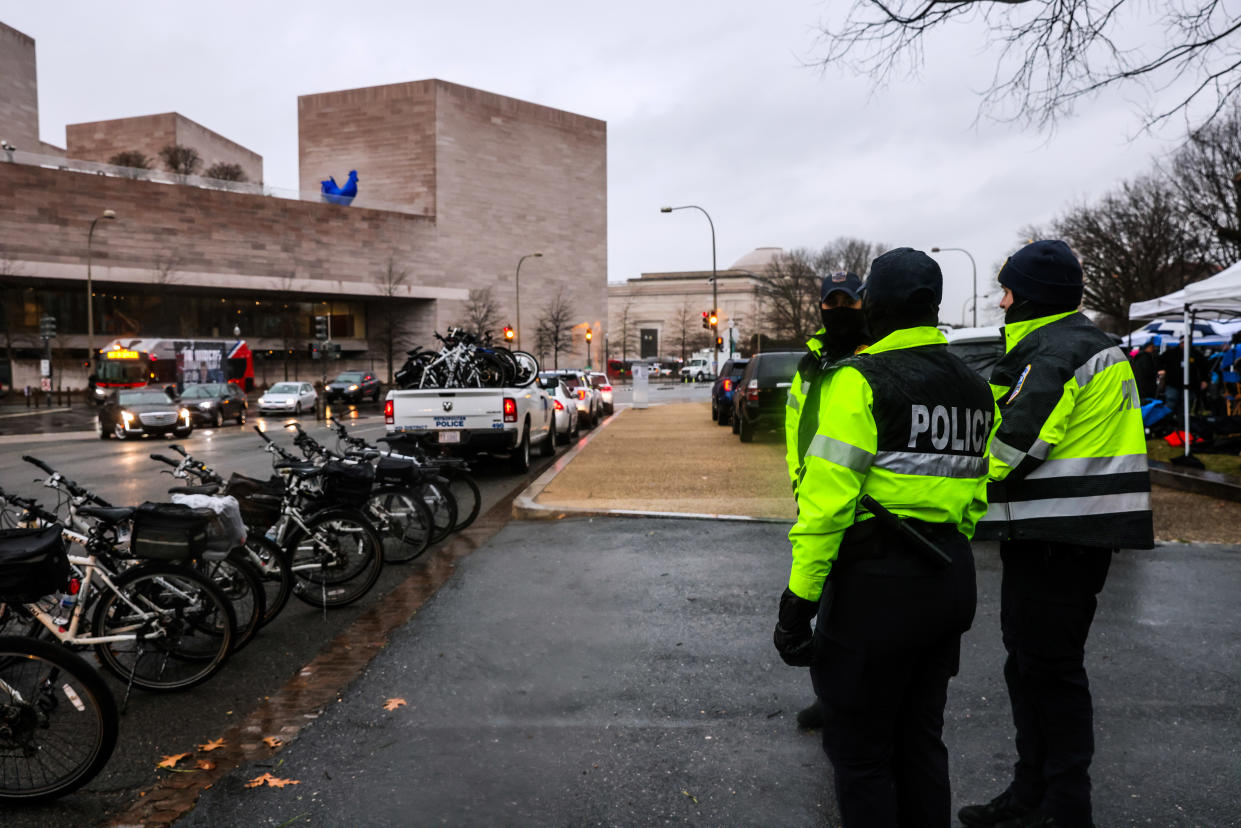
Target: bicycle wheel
column 338, row 561
column 527, row 369
column 438, row 498
column 466, row 494
column 403, row 522
column 242, row 585
column 182, row 626
column 273, row 566
column 58, row 721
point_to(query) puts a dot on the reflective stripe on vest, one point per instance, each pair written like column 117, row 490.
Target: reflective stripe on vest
column 1089, row 466
column 1068, row 507
column 1097, row 364
column 792, row 402
column 840, row 453
column 1012, row 457
column 931, row 465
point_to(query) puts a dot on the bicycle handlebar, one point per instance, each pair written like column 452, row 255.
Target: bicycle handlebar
column 163, row 459
column 262, row 434
column 34, row 461
column 179, row 449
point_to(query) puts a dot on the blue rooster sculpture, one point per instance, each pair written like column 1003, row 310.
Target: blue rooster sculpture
column 335, row 194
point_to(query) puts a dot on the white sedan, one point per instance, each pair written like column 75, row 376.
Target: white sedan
column 564, row 401
column 288, row 398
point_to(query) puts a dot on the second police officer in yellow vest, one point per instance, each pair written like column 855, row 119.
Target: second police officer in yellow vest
column 907, row 424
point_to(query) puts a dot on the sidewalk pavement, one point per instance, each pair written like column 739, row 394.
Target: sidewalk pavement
column 619, row 671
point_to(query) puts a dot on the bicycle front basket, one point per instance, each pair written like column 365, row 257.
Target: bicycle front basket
column 169, row 532
column 33, row 563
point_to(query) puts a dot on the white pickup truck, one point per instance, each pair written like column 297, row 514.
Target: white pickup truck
column 468, row 421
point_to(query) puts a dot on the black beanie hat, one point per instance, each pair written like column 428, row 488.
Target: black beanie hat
column 1044, row 272
column 903, row 290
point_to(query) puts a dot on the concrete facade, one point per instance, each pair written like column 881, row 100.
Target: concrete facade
column 650, row 313
column 148, row 134
column 469, row 181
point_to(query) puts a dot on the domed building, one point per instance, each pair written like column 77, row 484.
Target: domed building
column 659, row 316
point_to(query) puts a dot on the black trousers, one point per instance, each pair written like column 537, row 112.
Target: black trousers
column 1047, row 603
column 884, row 648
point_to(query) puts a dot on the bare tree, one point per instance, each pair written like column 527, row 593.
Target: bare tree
column 1052, row 54
column 222, row 171
column 626, row 330
column 682, row 326
column 853, row 255
column 482, row 311
column 789, row 290
column 554, row 333
column 1134, row 244
column 165, row 268
column 389, row 328
column 1206, row 173
column 131, row 160
column 180, row 159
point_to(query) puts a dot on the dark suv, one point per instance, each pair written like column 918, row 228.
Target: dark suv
column 352, row 386
column 761, row 395
column 722, row 390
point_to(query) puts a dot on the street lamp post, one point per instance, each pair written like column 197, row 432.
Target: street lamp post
column 715, row 333
column 975, row 269
column 517, row 292
column 90, row 316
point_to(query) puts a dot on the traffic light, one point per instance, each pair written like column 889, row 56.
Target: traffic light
column 714, row 319
column 589, row 335
column 719, row 342
column 321, row 328
column 509, row 333
column 47, row 327
column 706, row 320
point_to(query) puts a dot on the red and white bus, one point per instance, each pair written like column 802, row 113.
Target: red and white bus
column 134, row 363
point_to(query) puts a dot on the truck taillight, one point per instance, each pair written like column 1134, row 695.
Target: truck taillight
column 751, row 391
column 510, row 410
column 388, row 412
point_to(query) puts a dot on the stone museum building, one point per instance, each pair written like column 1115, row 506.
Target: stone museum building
column 455, row 187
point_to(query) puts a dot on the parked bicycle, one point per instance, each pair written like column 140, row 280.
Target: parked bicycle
column 467, row 361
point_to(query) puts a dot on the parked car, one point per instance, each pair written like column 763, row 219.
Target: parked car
column 722, row 390
column 760, row 397
column 133, row 413
column 603, row 385
column 214, row 402
column 589, row 399
column 979, row 348
column 568, row 420
column 352, row 386
column 288, row 398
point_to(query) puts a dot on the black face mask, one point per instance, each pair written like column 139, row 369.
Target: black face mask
column 844, row 330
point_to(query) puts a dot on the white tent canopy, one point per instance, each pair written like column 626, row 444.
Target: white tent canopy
column 1220, row 294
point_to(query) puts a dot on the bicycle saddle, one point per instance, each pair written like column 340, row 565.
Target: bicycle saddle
column 299, row 469
column 108, row 514
column 203, row 489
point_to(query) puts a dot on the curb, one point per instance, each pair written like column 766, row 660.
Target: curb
column 525, row 508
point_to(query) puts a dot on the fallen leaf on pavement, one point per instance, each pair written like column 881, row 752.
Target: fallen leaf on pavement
column 393, row 704
column 270, row 781
column 273, row 741
column 214, row 744
column 693, row 798
column 205, row 764
column 171, row 761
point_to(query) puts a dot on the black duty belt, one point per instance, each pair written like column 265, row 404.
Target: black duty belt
column 871, row 540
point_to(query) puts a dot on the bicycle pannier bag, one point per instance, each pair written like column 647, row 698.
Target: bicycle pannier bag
column 345, row 484
column 169, row 532
column 393, row 472
column 33, row 563
column 259, row 500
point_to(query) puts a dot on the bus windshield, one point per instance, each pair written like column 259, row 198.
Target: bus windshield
column 128, row 371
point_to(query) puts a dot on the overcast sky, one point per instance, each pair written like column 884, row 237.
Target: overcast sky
column 707, row 103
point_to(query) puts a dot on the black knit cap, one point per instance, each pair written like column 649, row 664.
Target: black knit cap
column 1046, row 273
column 850, row 284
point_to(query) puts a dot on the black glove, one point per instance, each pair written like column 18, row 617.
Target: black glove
column 792, row 635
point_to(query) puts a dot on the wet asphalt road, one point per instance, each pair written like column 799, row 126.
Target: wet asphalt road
column 158, row 725
column 620, row 672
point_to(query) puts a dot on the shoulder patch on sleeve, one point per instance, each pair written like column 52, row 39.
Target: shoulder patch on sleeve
column 1021, row 380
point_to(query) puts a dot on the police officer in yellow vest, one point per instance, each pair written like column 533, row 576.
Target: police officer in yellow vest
column 843, row 331
column 891, row 485
column 1071, row 486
